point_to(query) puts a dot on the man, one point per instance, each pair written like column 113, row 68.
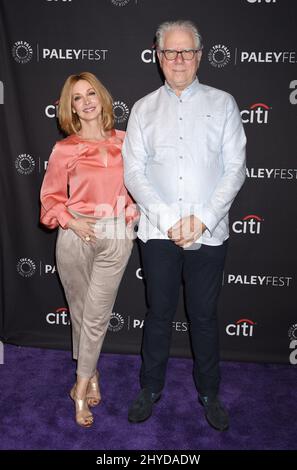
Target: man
column 184, row 157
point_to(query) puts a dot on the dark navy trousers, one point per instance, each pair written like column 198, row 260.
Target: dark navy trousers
column 165, row 266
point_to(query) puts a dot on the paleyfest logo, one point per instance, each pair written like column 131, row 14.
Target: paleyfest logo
column 261, row 1
column 116, row 322
column 26, row 267
column 219, row 56
column 22, row 52
column 120, row 3
column 293, row 94
column 120, row 111
column 24, row 164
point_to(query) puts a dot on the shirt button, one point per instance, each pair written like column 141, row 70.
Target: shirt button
column 180, row 199
column 180, row 177
column 180, row 118
column 181, row 157
column 180, row 138
column 180, row 101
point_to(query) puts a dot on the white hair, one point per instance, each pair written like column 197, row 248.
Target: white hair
column 179, row 24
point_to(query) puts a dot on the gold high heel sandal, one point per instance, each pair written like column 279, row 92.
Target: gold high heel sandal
column 83, row 415
column 93, row 391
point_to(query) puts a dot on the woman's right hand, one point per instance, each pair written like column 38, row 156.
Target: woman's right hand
column 83, row 227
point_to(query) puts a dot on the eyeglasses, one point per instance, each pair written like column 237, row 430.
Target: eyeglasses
column 187, row 54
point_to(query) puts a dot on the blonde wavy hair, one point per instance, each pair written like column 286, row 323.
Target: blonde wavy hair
column 68, row 120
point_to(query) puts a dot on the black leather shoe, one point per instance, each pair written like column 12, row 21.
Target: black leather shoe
column 141, row 409
column 216, row 415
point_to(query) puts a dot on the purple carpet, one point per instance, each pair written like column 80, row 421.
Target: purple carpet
column 36, row 412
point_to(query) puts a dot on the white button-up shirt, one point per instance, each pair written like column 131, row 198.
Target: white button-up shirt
column 185, row 155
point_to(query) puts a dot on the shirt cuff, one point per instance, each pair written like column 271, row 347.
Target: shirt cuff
column 208, row 219
column 167, row 221
column 63, row 218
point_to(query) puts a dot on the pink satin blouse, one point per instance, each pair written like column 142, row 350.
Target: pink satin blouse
column 87, row 177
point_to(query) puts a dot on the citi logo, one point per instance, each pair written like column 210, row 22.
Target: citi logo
column 51, row 110
column 148, row 56
column 139, row 273
column 250, row 224
column 256, row 114
column 243, row 327
column 261, row 1
column 120, row 3
column 59, row 317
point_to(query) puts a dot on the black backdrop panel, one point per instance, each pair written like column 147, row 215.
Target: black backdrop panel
column 250, row 50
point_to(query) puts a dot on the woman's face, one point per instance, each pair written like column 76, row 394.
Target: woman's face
column 85, row 102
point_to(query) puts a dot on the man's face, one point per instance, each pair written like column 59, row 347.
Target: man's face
column 179, row 73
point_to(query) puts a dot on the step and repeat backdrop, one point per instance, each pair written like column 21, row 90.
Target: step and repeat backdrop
column 250, row 50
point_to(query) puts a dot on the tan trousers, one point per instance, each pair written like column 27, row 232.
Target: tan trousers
column 90, row 275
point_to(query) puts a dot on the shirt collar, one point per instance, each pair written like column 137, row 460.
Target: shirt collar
column 190, row 90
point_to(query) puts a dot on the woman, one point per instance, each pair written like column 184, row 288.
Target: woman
column 83, row 193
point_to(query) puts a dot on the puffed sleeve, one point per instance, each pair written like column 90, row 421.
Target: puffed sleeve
column 53, row 193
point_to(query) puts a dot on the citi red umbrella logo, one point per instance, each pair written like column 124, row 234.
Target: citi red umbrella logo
column 250, row 224
column 257, row 113
column 59, row 317
column 243, row 327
